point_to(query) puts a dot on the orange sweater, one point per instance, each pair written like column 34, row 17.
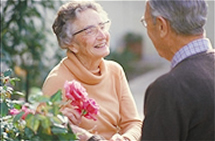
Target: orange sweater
column 117, row 113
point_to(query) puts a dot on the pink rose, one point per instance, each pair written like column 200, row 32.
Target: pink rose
column 91, row 109
column 75, row 91
column 27, row 111
column 13, row 111
column 24, row 109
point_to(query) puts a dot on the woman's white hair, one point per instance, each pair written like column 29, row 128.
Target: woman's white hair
column 63, row 25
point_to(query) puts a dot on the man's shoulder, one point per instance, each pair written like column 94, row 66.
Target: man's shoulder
column 202, row 63
column 193, row 70
column 164, row 82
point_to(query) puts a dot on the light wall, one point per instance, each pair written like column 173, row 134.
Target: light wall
column 125, row 17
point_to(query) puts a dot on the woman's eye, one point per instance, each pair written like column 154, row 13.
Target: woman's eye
column 89, row 31
column 102, row 27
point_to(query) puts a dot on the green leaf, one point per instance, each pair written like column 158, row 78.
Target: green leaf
column 36, row 138
column 59, row 130
column 41, row 117
column 18, row 116
column 15, row 79
column 12, row 83
column 68, row 137
column 56, row 120
column 18, row 93
column 57, row 97
column 69, row 129
column 28, row 132
column 4, row 109
column 36, row 124
column 46, row 123
column 39, row 98
column 7, row 72
column 32, row 122
column 17, row 106
column 55, row 110
column 5, row 88
column 44, row 136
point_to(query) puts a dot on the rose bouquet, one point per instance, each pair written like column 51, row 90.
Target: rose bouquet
column 78, row 97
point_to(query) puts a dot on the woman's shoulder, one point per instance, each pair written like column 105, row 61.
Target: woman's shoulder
column 55, row 79
column 114, row 68
column 113, row 64
column 58, row 70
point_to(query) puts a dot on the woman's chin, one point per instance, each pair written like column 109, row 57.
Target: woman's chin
column 103, row 52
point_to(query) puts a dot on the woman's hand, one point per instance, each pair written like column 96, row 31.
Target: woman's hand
column 73, row 115
column 118, row 137
column 82, row 134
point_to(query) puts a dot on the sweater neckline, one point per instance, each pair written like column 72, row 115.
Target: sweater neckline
column 81, row 73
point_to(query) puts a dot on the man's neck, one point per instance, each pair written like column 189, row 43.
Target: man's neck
column 180, row 41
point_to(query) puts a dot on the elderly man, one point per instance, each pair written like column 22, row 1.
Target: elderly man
column 180, row 104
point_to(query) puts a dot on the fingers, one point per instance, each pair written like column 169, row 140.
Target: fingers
column 74, row 120
column 73, row 116
column 82, row 134
column 117, row 137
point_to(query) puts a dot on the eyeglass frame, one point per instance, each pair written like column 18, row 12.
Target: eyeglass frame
column 143, row 21
column 108, row 21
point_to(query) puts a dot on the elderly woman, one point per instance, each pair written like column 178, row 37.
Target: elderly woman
column 82, row 29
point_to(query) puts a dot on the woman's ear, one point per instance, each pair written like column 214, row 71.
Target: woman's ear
column 73, row 49
column 163, row 26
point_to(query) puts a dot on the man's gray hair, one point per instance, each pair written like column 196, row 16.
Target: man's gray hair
column 63, row 25
column 186, row 17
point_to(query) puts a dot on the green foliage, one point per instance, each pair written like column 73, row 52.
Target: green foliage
column 125, row 58
column 131, row 53
column 23, row 37
column 36, row 123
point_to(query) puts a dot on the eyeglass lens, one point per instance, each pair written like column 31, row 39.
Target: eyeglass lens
column 93, row 30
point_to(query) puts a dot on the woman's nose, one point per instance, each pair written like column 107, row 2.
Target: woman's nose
column 101, row 34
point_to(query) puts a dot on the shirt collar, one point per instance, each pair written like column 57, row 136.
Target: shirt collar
column 194, row 47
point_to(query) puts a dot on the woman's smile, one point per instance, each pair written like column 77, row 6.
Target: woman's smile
column 101, row 45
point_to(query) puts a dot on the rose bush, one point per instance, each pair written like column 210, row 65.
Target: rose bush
column 25, row 121
column 24, row 109
column 41, row 118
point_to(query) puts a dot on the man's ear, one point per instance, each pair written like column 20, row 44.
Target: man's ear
column 163, row 26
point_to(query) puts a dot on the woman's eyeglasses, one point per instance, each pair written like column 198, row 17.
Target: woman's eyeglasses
column 93, row 30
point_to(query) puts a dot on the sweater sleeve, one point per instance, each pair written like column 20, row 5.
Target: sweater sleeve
column 130, row 123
